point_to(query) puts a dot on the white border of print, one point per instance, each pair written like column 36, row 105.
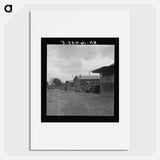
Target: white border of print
column 83, row 136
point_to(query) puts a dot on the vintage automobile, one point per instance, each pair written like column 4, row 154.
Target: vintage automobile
column 94, row 88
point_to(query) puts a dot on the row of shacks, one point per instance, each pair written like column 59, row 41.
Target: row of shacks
column 103, row 84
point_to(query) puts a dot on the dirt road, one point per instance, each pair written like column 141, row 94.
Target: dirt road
column 61, row 102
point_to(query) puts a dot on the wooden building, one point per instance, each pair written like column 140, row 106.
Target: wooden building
column 106, row 80
column 80, row 82
column 69, row 85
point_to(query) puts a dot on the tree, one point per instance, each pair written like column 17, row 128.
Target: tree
column 57, row 82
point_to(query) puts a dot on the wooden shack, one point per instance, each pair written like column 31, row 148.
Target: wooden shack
column 80, row 82
column 106, row 80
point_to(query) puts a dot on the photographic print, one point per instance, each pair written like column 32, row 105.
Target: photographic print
column 79, row 80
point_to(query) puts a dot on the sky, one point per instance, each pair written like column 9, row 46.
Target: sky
column 67, row 61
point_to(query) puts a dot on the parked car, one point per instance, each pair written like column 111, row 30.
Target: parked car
column 93, row 89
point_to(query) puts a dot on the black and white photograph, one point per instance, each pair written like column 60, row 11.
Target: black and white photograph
column 80, row 79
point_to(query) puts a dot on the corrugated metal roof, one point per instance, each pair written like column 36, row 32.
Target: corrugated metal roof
column 88, row 77
column 104, row 68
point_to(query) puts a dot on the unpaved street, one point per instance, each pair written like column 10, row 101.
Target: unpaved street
column 61, row 102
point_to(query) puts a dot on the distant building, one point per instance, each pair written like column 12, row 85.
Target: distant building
column 106, row 80
column 80, row 82
column 62, row 87
column 69, row 85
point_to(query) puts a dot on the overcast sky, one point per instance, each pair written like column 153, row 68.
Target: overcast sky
column 66, row 61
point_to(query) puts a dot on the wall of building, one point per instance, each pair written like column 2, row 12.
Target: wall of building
column 107, row 85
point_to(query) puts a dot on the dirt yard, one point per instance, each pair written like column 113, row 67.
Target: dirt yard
column 61, row 102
